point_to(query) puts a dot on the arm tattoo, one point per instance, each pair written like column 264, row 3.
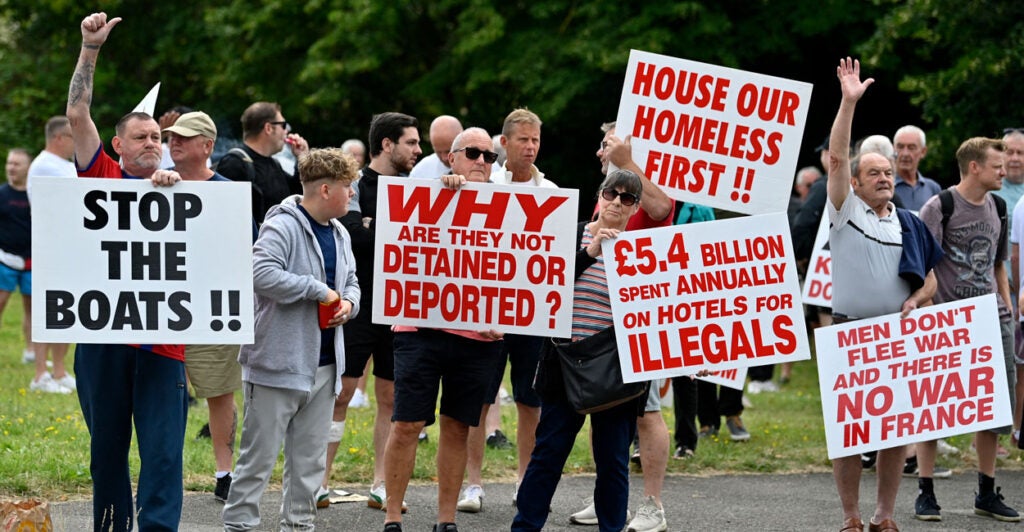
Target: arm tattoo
column 91, row 46
column 81, row 84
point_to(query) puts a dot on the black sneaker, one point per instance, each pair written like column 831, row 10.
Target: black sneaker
column 223, row 486
column 636, row 457
column 683, row 453
column 445, row 527
column 991, row 505
column 204, row 432
column 499, row 441
column 393, row 527
column 868, row 459
column 926, row 508
column 910, row 466
column 423, row 437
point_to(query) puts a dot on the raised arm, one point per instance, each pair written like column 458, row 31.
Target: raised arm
column 653, row 200
column 95, row 29
column 853, row 88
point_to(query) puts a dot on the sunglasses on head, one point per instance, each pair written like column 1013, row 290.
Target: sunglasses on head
column 472, row 153
column 626, row 198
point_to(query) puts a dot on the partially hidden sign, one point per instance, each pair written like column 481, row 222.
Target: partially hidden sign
column 712, row 296
column 485, row 256
column 888, row 381
column 713, row 135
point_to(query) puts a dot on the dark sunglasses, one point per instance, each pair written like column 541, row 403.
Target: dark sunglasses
column 1009, row 130
column 472, row 153
column 626, row 198
column 283, row 123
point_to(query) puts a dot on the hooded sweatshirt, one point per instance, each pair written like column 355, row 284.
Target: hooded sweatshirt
column 289, row 282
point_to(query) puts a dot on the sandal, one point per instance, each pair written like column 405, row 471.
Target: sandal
column 887, row 525
column 852, row 524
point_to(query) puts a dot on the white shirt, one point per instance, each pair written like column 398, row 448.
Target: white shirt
column 430, row 167
column 504, row 177
column 49, row 164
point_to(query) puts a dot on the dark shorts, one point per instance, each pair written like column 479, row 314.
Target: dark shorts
column 428, row 359
column 522, row 354
column 364, row 339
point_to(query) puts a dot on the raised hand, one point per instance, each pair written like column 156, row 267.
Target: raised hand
column 848, row 73
column 96, row 28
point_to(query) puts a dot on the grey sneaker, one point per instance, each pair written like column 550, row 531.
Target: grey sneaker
column 736, row 430
column 649, row 518
column 991, row 505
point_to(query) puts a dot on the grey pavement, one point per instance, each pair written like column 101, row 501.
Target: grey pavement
column 727, row 502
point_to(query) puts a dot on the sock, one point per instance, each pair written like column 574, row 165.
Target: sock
column 222, row 474
column 925, row 485
column 986, row 484
column 336, row 431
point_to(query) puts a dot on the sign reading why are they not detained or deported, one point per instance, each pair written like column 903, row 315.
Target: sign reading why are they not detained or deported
column 485, row 256
column 122, row 261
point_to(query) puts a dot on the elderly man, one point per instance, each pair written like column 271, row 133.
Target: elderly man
column 912, row 188
column 460, row 361
column 443, row 131
column 867, row 242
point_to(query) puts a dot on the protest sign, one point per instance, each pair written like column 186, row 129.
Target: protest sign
column 818, row 280
column 712, row 135
column 122, row 261
column 713, row 296
column 734, row 378
column 888, row 381
column 485, row 256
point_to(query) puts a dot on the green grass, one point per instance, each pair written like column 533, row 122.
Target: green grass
column 44, row 444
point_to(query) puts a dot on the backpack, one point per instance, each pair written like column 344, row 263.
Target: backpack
column 946, row 202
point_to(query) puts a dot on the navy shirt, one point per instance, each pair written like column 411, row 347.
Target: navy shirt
column 15, row 222
column 328, row 248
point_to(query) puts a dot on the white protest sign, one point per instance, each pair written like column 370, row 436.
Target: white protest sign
column 818, row 280
column 734, row 378
column 485, row 256
column 714, row 295
column 887, row 382
column 713, row 135
column 122, row 261
column 148, row 103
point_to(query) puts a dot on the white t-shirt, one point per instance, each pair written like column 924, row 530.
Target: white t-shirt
column 49, row 164
column 430, row 167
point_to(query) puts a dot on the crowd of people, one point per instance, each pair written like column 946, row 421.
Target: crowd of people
column 314, row 227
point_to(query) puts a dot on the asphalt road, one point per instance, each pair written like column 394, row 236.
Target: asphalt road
column 734, row 502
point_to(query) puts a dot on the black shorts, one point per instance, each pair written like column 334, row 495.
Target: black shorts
column 364, row 339
column 522, row 354
column 428, row 359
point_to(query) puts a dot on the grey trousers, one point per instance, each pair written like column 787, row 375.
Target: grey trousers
column 298, row 419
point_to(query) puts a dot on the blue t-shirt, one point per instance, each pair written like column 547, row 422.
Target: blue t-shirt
column 15, row 222
column 328, row 248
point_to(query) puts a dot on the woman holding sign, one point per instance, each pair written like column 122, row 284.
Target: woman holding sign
column 560, row 421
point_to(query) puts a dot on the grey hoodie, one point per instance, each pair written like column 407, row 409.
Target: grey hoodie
column 289, row 282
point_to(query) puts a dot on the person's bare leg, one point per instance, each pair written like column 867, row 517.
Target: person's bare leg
column 451, row 464
column 40, row 351
column 384, row 391
column 26, row 321
column 654, row 443
column 340, row 413
column 493, row 421
column 986, row 443
column 1018, row 409
column 526, row 434
column 475, row 449
column 846, row 472
column 58, row 352
column 223, row 423
column 399, row 460
column 889, row 468
column 926, row 452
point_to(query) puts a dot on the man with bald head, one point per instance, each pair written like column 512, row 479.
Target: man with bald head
column 464, row 361
column 443, row 131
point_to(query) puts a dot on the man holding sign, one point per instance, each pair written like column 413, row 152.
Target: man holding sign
column 867, row 241
column 974, row 239
column 119, row 383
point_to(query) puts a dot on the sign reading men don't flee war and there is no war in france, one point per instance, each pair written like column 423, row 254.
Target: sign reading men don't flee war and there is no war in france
column 485, row 256
column 888, row 381
column 122, row 261
column 713, row 135
column 714, row 295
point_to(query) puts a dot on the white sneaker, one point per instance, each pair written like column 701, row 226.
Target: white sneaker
column 754, row 387
column 68, row 382
column 945, row 448
column 472, row 499
column 588, row 515
column 359, row 400
column 379, row 499
column 28, row 356
column 46, row 384
column 649, row 518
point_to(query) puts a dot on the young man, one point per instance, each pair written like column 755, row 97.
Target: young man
column 292, row 373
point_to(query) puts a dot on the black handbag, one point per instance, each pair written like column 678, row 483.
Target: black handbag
column 591, row 373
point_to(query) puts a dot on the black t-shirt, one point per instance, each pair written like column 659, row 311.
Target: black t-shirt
column 15, row 222
column 270, row 183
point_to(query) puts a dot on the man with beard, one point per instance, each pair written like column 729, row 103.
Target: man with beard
column 394, row 148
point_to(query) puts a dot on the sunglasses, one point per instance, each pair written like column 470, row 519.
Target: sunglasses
column 626, row 198
column 283, row 123
column 1009, row 130
column 472, row 153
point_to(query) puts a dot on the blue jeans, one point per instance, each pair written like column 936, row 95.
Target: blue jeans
column 556, row 433
column 116, row 385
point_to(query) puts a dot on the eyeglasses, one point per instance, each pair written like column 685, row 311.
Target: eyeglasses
column 626, row 198
column 282, row 123
column 1009, row 130
column 472, row 153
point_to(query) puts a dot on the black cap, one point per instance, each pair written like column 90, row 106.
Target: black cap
column 823, row 147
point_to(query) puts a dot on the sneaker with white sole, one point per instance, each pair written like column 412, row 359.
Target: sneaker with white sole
column 68, row 382
column 28, row 356
column 359, row 400
column 737, row 432
column 649, row 518
column 46, row 384
column 379, row 499
column 588, row 515
column 323, row 498
column 472, row 500
column 945, row 448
